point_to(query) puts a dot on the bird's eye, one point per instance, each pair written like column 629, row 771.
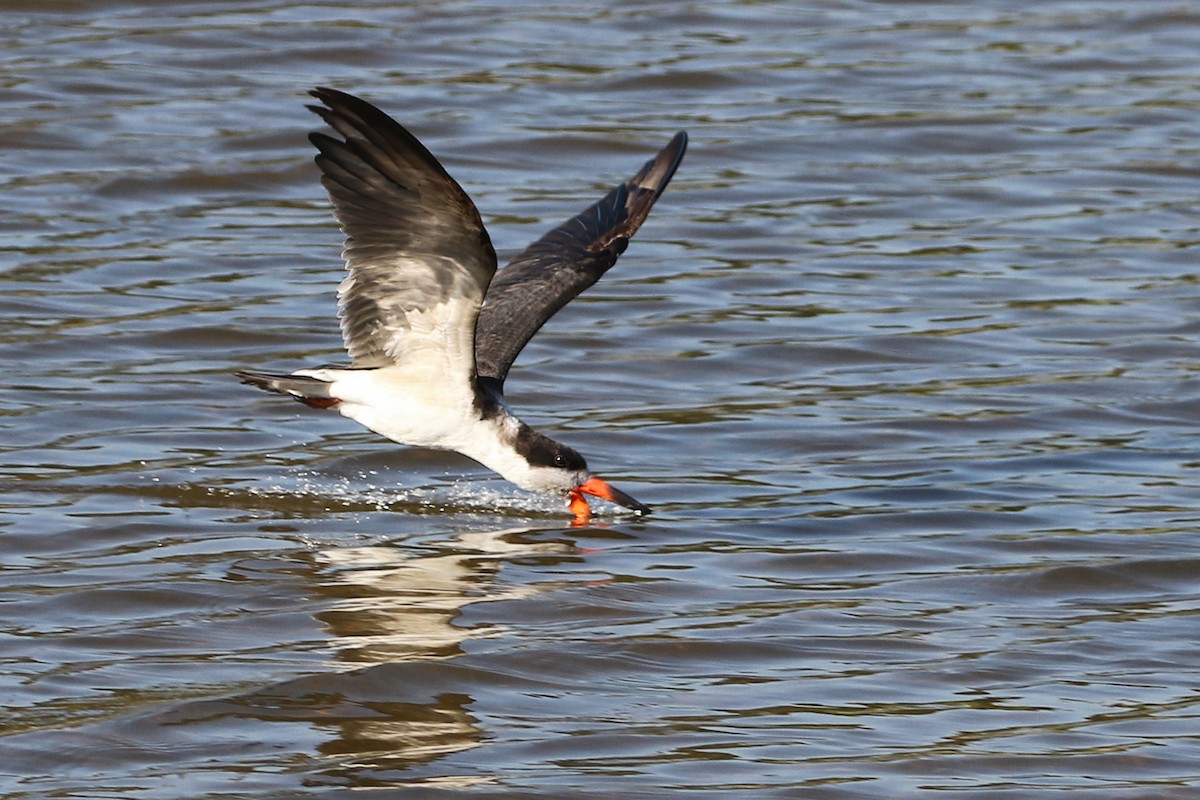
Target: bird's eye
column 560, row 460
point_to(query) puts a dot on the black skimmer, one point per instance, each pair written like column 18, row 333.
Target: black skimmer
column 431, row 325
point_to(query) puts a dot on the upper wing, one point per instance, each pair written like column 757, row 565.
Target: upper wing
column 553, row 270
column 418, row 256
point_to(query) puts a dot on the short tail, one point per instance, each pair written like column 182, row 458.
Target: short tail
column 313, row 392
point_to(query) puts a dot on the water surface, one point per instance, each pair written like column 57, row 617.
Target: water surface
column 905, row 360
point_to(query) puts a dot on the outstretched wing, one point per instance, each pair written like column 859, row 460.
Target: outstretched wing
column 553, row 270
column 418, row 256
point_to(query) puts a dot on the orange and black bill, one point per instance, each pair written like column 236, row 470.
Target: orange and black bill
column 598, row 488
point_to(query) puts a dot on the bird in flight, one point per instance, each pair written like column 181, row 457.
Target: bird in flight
column 430, row 324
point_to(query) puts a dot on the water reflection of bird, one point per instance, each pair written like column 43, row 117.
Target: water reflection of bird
column 389, row 605
column 431, row 325
column 394, row 616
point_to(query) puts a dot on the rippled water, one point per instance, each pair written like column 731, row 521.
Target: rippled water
column 905, row 360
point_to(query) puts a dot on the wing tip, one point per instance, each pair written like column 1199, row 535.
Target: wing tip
column 656, row 173
column 329, row 95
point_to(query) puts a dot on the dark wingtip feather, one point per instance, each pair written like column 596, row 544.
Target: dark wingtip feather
column 645, row 188
column 656, row 173
column 659, row 170
column 325, row 94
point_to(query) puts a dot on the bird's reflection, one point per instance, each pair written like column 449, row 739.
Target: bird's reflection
column 390, row 605
column 398, row 700
column 392, row 615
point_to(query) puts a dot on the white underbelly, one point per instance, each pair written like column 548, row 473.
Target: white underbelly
column 406, row 408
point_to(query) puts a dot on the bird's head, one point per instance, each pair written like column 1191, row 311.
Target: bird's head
column 554, row 467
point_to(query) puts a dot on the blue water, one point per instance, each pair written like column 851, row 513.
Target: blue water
column 905, row 361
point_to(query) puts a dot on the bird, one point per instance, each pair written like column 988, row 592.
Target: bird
column 429, row 320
